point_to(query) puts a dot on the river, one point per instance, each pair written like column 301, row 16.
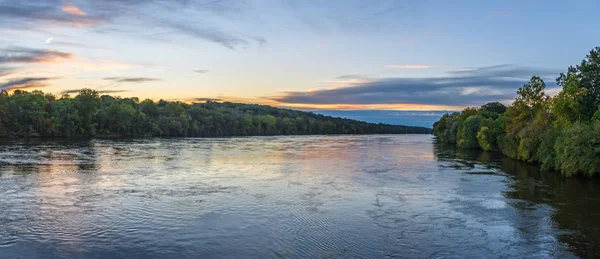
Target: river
column 373, row 196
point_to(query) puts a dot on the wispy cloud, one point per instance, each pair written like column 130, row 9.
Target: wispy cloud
column 5, row 71
column 201, row 71
column 70, row 44
column 226, row 39
column 48, row 12
column 24, row 83
column 26, row 55
column 205, row 99
column 72, row 9
column 427, row 67
column 49, row 40
column 107, row 91
column 506, row 70
column 135, row 80
column 103, row 15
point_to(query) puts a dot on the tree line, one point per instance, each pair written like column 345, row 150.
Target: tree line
column 560, row 133
column 29, row 114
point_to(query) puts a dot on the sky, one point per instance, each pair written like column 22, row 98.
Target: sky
column 330, row 56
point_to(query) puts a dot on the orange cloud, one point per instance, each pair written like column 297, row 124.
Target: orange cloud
column 73, row 10
column 24, row 55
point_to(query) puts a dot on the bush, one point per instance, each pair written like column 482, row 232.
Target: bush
column 578, row 150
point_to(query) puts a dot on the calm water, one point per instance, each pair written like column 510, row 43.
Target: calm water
column 286, row 197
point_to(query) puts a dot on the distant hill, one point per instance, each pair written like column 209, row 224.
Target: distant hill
column 407, row 118
column 34, row 113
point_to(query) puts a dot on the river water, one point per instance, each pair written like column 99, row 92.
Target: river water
column 372, row 196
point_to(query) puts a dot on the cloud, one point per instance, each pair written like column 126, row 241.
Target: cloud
column 24, row 83
column 427, row 67
column 72, row 10
column 507, row 70
column 355, row 16
column 135, row 80
column 204, row 99
column 201, row 71
column 103, row 15
column 49, row 40
column 5, row 71
column 26, row 55
column 462, row 88
column 48, row 12
column 70, row 44
column 108, row 91
column 223, row 38
column 347, row 77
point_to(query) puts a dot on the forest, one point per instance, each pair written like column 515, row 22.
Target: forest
column 560, row 133
column 88, row 114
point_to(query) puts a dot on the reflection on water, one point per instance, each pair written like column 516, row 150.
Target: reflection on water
column 317, row 197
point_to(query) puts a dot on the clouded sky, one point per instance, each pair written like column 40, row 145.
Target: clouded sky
column 335, row 54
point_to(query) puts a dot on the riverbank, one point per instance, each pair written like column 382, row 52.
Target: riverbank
column 561, row 132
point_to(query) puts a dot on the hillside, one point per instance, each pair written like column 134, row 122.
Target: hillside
column 24, row 114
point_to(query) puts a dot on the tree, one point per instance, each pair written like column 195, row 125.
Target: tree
column 578, row 150
column 587, row 75
column 65, row 117
column 494, row 107
column 467, row 137
column 567, row 105
column 88, row 102
column 531, row 96
column 488, row 134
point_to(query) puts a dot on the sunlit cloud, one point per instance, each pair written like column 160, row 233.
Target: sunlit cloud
column 72, row 10
column 26, row 55
column 49, row 40
column 25, row 83
column 107, row 16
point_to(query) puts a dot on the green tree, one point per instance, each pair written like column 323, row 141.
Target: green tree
column 488, row 134
column 578, row 150
column 467, row 137
column 88, row 102
column 587, row 75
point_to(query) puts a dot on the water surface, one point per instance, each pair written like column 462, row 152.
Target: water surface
column 372, row 196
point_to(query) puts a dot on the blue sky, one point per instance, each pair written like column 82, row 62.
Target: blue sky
column 318, row 55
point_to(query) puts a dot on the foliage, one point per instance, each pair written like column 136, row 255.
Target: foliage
column 561, row 133
column 26, row 114
column 488, row 134
column 467, row 137
column 578, row 149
